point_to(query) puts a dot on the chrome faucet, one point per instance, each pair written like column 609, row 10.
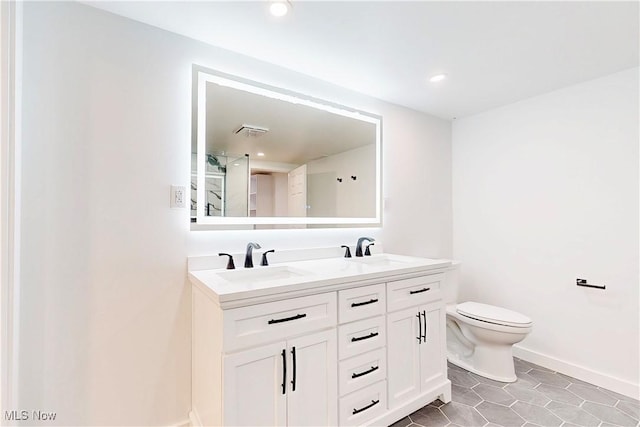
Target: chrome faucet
column 248, row 258
column 359, row 245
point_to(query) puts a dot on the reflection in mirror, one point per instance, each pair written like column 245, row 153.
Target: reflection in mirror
column 226, row 180
column 262, row 155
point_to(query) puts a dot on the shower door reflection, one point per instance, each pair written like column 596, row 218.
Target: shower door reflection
column 226, row 183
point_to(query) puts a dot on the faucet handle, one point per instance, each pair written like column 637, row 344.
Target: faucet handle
column 367, row 252
column 230, row 264
column 347, row 253
column 264, row 257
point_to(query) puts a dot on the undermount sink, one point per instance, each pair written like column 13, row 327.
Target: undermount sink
column 262, row 274
column 380, row 260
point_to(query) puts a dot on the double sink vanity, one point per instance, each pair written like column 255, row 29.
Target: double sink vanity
column 325, row 340
column 316, row 338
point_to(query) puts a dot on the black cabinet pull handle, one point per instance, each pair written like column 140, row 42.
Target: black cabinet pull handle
column 293, row 381
column 358, row 304
column 287, row 319
column 284, row 372
column 424, row 337
column 368, row 371
column 366, row 337
column 419, row 337
column 373, row 403
column 419, row 291
column 583, row 282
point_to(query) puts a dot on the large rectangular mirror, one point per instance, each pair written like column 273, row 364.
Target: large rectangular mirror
column 270, row 158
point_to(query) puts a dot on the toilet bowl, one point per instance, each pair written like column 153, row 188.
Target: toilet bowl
column 480, row 338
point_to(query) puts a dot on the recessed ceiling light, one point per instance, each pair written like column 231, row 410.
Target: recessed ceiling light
column 260, row 154
column 437, row 78
column 279, row 8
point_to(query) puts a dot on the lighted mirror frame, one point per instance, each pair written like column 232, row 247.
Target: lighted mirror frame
column 203, row 76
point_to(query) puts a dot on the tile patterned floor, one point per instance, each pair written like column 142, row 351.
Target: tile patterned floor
column 540, row 397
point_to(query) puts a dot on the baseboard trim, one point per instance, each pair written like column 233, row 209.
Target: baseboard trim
column 442, row 390
column 183, row 423
column 194, row 419
column 580, row 372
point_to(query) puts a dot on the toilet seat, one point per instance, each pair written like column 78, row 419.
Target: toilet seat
column 492, row 314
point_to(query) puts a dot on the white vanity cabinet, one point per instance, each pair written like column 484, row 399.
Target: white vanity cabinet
column 362, row 346
column 285, row 383
column 270, row 364
column 365, row 349
column 415, row 338
column 252, row 382
column 414, row 351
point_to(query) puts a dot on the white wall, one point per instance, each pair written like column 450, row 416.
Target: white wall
column 280, row 193
column 105, row 320
column 546, row 191
column 350, row 198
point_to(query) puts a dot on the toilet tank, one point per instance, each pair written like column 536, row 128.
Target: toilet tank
column 450, row 285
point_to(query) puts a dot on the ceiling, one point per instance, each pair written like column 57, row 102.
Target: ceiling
column 296, row 133
column 494, row 52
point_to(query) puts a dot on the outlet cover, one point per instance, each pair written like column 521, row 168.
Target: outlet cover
column 178, row 196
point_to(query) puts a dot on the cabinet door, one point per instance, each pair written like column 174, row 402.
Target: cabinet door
column 432, row 358
column 312, row 387
column 403, row 356
column 253, row 391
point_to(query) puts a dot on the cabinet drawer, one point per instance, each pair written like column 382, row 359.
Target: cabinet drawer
column 363, row 370
column 262, row 323
column 362, row 336
column 360, row 303
column 363, row 405
column 415, row 291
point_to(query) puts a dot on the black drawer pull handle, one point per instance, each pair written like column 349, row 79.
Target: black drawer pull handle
column 419, row 337
column 284, row 372
column 366, row 337
column 293, row 381
column 373, row 403
column 419, row 291
column 583, row 282
column 358, row 304
column 287, row 319
column 360, row 374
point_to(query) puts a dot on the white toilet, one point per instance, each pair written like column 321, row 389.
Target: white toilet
column 480, row 336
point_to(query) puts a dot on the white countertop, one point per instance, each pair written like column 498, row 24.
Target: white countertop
column 231, row 288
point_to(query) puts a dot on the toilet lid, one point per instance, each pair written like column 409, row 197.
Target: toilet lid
column 493, row 314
